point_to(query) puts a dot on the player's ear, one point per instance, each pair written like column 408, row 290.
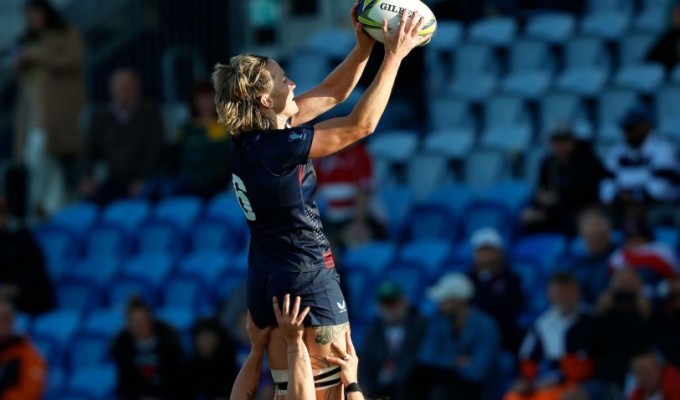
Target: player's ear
column 266, row 101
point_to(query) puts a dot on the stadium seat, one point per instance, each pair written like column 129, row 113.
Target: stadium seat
column 668, row 112
column 122, row 288
column 448, row 113
column 126, row 214
column 50, row 349
column 104, row 321
column 507, row 124
column 360, row 296
column 428, row 255
column 599, row 6
column 552, row 27
column 609, row 25
column 562, row 108
column 474, row 72
column 159, row 237
column 179, row 211
column 454, row 197
column 225, row 207
column 107, row 241
column 92, row 350
column 56, row 383
column 426, row 172
column 184, row 291
column 430, row 221
column 394, row 146
column 513, row 194
column 92, row 382
column 398, row 201
column 531, row 69
column 206, row 266
column 547, row 250
column 675, row 75
column 483, row 168
column 584, row 81
column 211, row 234
column 152, row 267
column 97, row 270
column 409, row 278
column 454, row 144
column 372, row 258
column 59, row 325
column 587, row 64
column 612, row 105
column 482, row 213
column 77, row 217
column 495, row 31
column 342, row 42
column 78, row 294
column 634, row 47
column 307, row 69
column 226, row 285
column 652, row 19
column 534, row 281
column 22, row 322
column 532, row 164
column 439, row 52
column 60, row 247
column 182, row 318
column 643, row 77
column 668, row 236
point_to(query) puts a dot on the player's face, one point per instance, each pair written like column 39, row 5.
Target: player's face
column 282, row 94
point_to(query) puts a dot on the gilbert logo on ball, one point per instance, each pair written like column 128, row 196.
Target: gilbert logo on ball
column 372, row 12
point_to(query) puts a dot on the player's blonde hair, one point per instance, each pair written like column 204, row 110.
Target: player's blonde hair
column 238, row 88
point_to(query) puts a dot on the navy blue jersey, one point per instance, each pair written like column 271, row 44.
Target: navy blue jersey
column 275, row 184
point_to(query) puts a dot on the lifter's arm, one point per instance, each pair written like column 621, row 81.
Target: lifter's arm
column 349, row 363
column 248, row 379
column 337, row 133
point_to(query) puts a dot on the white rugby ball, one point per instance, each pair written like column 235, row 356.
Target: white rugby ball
column 371, row 14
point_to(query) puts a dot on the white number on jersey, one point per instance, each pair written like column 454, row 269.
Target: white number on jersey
column 240, row 189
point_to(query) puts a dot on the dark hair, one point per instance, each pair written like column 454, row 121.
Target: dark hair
column 563, row 278
column 136, row 303
column 197, row 89
column 53, row 19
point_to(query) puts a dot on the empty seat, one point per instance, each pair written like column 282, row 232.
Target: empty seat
column 439, row 52
column 179, row 211
column 394, row 146
column 634, row 47
column 182, row 318
column 409, row 278
column 474, row 72
column 652, row 19
column 612, row 105
column 59, row 246
column 482, row 168
column 481, row 213
column 599, row 6
column 151, row 267
column 534, row 281
column 109, row 241
column 430, row 221
column 226, row 285
column 608, row 25
column 513, row 194
column 447, row 113
column 184, row 291
column 92, row 382
column 78, row 294
column 531, row 69
column 123, row 288
column 127, row 214
column 78, row 217
column 426, row 172
column 398, row 201
column 587, row 64
column 360, row 301
column 668, row 112
column 206, row 266
column 159, row 237
column 104, row 321
column 496, row 31
column 342, row 41
column 59, row 325
column 373, row 258
column 552, row 27
column 428, row 254
column 546, row 249
column 307, row 69
column 507, row 124
column 454, row 197
column 452, row 143
column 215, row 235
column 643, row 77
column 559, row 109
column 92, row 350
column 97, row 270
column 669, row 236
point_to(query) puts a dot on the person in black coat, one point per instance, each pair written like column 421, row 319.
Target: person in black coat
column 391, row 344
column 148, row 357
column 212, row 369
column 666, row 50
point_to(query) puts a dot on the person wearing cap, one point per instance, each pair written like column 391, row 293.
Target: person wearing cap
column 461, row 345
column 643, row 172
column 568, row 182
column 388, row 358
column 498, row 290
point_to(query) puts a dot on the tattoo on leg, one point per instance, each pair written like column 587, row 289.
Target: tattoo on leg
column 327, row 334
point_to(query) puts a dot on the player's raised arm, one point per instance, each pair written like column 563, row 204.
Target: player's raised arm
column 339, row 84
column 248, row 379
column 334, row 134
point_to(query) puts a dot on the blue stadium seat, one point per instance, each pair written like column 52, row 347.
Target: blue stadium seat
column 634, row 47
column 59, row 325
column 507, row 124
column 104, row 321
column 426, row 172
column 342, row 42
column 394, row 146
column 559, row 108
column 668, row 112
column 160, row 237
column 180, row 211
column 454, row 144
column 487, row 214
column 151, row 267
column 587, row 64
column 94, row 382
column 225, row 207
column 206, row 266
column 226, row 285
column 474, row 71
column 184, row 291
column 97, row 270
column 428, row 255
column 182, row 318
column 495, row 31
column 77, row 217
column 552, row 27
column 439, row 52
column 60, row 246
column 78, row 294
column 22, row 322
column 534, row 281
column 514, row 194
column 483, row 168
column 213, row 234
column 531, row 69
column 430, row 221
column 56, row 383
column 447, row 113
column 372, row 258
column 612, row 105
column 668, row 236
column 50, row 349
column 127, row 214
column 360, row 298
column 410, row 279
column 599, row 6
column 122, row 288
column 547, row 249
column 610, row 25
column 652, row 19
column 398, row 201
column 454, row 197
column 675, row 75
column 92, row 350
column 643, row 77
column 307, row 69
column 109, row 241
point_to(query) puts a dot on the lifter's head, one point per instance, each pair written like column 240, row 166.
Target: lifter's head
column 252, row 93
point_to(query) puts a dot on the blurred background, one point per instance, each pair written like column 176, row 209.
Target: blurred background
column 511, row 230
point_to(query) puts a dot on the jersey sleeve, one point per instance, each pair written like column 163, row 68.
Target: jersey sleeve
column 282, row 150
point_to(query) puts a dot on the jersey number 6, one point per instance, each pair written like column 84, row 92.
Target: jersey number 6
column 243, row 201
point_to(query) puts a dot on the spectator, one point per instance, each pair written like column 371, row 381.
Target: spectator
column 498, row 291
column 667, row 323
column 51, row 95
column 622, row 327
column 23, row 280
column 202, row 146
column 461, row 345
column 555, row 356
column 127, row 137
column 23, row 369
column 147, row 355
column 654, row 379
column 568, row 183
column 389, row 356
column 212, row 369
column 345, row 181
column 590, row 266
column 643, row 173
column 666, row 50
column 654, row 261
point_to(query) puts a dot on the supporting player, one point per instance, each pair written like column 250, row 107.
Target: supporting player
column 274, row 182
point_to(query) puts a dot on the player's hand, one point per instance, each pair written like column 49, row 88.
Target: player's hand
column 259, row 338
column 348, row 360
column 290, row 320
column 363, row 38
column 402, row 40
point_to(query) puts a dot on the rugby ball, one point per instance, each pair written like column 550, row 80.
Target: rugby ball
column 371, row 14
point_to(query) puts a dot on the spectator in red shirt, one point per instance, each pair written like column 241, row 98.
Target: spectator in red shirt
column 654, row 380
column 344, row 183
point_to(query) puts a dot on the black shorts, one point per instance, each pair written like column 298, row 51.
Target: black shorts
column 320, row 290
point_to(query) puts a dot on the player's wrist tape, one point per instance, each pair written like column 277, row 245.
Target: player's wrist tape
column 353, row 387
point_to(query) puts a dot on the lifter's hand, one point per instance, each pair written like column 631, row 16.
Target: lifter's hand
column 259, row 338
column 348, row 361
column 290, row 323
column 405, row 38
column 364, row 40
